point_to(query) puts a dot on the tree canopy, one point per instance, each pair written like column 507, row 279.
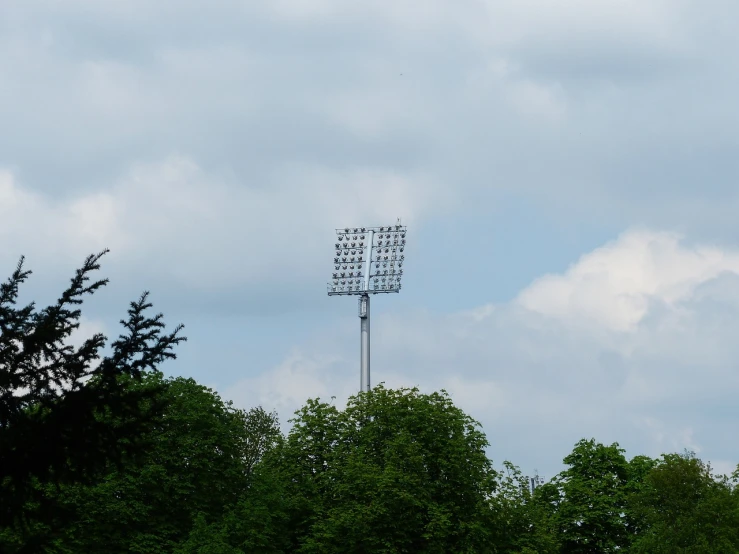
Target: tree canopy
column 684, row 508
column 396, row 471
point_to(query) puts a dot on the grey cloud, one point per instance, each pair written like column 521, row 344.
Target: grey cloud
column 599, row 122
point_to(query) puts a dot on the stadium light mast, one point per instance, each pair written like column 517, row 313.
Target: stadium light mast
column 367, row 260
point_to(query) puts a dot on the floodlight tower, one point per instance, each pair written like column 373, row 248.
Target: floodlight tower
column 368, row 260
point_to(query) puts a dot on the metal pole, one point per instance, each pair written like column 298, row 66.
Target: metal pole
column 364, row 319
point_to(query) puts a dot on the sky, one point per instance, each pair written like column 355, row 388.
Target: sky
column 567, row 171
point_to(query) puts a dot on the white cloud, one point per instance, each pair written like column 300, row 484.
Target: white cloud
column 532, row 20
column 286, row 387
column 88, row 327
column 506, row 21
column 615, row 285
column 494, row 95
column 31, row 222
column 199, row 231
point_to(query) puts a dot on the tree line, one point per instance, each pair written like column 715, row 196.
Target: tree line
column 100, row 452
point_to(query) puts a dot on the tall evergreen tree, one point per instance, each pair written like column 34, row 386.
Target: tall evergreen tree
column 67, row 412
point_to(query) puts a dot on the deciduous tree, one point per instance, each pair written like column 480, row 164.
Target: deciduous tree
column 591, row 514
column 683, row 508
column 524, row 523
column 396, row 471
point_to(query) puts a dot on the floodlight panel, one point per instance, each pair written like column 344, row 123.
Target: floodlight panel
column 350, row 257
column 388, row 256
column 374, row 255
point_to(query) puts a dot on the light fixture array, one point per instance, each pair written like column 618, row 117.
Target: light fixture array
column 368, row 260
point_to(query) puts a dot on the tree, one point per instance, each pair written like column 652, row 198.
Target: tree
column 193, row 465
column 258, row 522
column 67, row 412
column 591, row 514
column 396, row 471
column 639, row 468
column 193, row 471
column 683, row 508
column 261, row 434
column 524, row 523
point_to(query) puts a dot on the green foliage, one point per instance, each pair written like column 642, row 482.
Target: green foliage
column 523, row 523
column 194, row 464
column 638, row 470
column 591, row 514
column 257, row 524
column 683, row 508
column 261, row 433
column 207, row 539
column 67, row 412
column 396, row 471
